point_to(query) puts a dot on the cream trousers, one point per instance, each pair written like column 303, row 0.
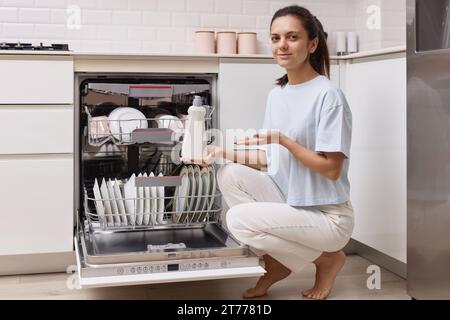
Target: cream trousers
column 259, row 217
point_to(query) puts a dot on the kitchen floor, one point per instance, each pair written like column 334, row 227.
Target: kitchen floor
column 350, row 284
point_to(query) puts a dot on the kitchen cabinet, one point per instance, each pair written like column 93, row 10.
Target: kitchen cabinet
column 36, row 129
column 243, row 89
column 376, row 92
column 36, row 154
column 36, row 79
column 36, row 210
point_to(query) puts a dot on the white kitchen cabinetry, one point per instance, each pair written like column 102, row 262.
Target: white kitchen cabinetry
column 36, row 80
column 36, row 154
column 243, row 89
column 29, row 129
column 36, row 204
column 376, row 92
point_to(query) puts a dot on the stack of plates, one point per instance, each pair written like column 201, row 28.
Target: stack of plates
column 124, row 204
column 194, row 198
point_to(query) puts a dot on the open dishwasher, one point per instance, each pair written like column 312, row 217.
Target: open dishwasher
column 143, row 216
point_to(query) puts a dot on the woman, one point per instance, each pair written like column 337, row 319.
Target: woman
column 300, row 212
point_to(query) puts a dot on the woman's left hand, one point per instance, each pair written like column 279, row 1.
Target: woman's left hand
column 262, row 137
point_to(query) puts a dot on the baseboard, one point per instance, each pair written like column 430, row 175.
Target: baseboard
column 383, row 260
column 36, row 263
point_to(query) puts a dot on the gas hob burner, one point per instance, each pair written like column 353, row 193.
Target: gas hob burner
column 29, row 46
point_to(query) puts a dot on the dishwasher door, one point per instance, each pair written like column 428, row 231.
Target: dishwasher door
column 158, row 256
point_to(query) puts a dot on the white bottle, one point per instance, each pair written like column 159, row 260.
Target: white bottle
column 194, row 146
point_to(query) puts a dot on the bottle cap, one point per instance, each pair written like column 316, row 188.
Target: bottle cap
column 197, row 101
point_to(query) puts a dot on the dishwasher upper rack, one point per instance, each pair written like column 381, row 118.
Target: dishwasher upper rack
column 150, row 209
column 166, row 130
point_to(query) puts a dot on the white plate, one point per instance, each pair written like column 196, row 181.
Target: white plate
column 114, row 208
column 199, row 192
column 107, row 202
column 160, row 194
column 147, row 204
column 99, row 203
column 140, row 203
column 204, row 173
column 120, row 203
column 212, row 181
column 154, row 202
column 192, row 194
column 122, row 121
column 180, row 202
column 130, row 194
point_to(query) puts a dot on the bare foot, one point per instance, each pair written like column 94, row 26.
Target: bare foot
column 275, row 272
column 327, row 268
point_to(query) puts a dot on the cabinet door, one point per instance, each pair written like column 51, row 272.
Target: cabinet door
column 243, row 90
column 36, row 80
column 36, row 129
column 36, row 207
column 376, row 92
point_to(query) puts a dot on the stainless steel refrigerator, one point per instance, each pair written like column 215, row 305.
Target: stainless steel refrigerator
column 428, row 145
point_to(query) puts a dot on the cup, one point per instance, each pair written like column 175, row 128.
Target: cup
column 226, row 42
column 246, row 43
column 352, row 42
column 340, row 44
column 204, row 42
column 99, row 128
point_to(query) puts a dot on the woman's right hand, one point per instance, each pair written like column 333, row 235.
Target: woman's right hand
column 212, row 153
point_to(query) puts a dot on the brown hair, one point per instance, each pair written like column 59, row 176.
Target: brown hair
column 320, row 59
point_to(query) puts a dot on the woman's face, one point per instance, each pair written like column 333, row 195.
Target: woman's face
column 290, row 44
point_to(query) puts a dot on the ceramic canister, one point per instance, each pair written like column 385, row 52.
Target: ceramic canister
column 247, row 43
column 226, row 42
column 204, row 42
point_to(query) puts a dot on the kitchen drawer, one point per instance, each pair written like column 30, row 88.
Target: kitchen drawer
column 36, row 129
column 36, row 207
column 36, row 80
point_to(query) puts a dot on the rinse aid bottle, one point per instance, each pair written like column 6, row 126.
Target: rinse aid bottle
column 194, row 144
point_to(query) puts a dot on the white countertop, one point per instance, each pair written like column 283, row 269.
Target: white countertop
column 135, row 55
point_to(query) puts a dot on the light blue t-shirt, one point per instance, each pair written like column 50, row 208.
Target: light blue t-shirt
column 316, row 115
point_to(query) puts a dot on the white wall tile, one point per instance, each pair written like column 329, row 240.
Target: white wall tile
column 200, row 6
column 156, row 47
column 84, row 4
column 58, row 16
column 242, row 21
column 86, row 32
column 185, row 20
column 18, row 3
column 18, row 30
column 126, row 18
column 263, row 22
column 228, row 6
column 256, row 7
column 142, row 33
column 34, row 15
column 126, row 46
column 113, row 4
column 214, row 21
column 9, row 14
column 50, row 3
column 169, row 25
column 172, row 5
column 96, row 17
column 112, row 33
column 182, row 47
column 171, row 34
column 156, row 19
column 142, row 4
column 52, row 31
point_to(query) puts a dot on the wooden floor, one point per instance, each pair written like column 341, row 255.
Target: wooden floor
column 350, row 284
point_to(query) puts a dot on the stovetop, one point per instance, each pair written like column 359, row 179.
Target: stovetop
column 38, row 47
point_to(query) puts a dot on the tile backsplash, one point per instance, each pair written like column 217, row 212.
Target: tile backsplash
column 167, row 26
